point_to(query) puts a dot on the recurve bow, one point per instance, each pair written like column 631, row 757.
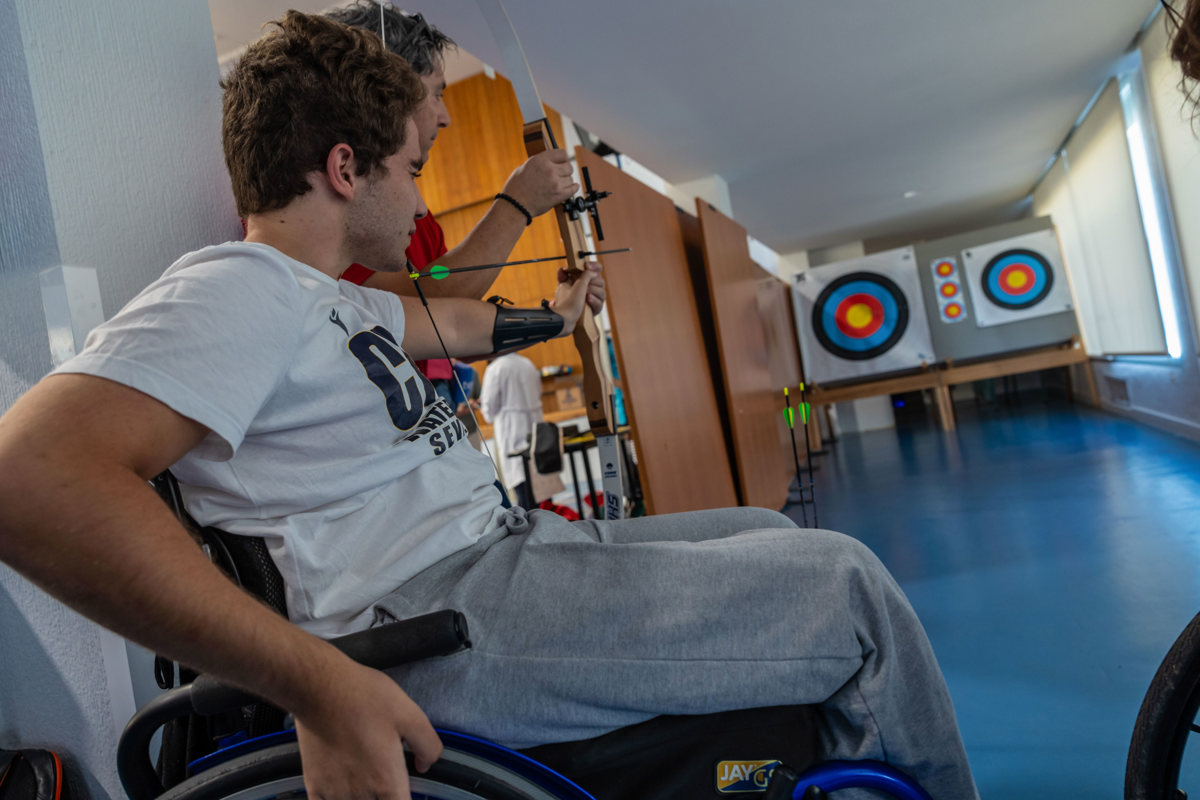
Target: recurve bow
column 597, row 387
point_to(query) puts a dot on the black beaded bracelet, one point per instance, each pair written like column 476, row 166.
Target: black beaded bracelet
column 517, row 206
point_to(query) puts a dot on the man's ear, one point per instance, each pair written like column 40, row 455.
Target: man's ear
column 341, row 170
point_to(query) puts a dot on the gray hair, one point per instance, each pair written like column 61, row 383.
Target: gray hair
column 407, row 35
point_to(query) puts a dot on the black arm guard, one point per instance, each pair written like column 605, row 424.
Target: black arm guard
column 520, row 327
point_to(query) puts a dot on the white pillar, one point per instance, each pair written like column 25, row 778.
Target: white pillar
column 110, row 118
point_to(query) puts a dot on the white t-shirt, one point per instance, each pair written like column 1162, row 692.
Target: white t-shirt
column 325, row 440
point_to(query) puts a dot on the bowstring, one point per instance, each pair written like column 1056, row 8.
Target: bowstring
column 445, row 351
column 412, row 273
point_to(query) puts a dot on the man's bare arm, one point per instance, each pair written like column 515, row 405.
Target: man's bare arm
column 539, row 184
column 78, row 518
column 466, row 325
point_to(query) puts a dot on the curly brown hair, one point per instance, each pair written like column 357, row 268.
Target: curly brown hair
column 1184, row 30
column 299, row 91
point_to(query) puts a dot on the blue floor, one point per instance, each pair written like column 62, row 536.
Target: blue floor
column 1053, row 554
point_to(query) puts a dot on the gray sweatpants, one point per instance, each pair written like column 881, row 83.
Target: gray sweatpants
column 579, row 628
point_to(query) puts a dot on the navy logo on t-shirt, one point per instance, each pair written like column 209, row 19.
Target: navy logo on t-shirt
column 406, row 391
column 337, row 320
column 443, row 427
column 412, row 403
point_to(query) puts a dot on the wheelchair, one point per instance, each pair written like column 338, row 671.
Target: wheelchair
column 218, row 743
column 1165, row 724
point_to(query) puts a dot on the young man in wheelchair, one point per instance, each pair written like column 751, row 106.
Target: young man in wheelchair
column 286, row 403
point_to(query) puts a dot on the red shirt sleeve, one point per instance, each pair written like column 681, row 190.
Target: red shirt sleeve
column 357, row 273
column 428, row 243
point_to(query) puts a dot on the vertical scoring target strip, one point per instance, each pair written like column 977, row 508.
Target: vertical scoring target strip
column 947, row 284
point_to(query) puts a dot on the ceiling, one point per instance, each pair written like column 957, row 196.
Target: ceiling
column 830, row 122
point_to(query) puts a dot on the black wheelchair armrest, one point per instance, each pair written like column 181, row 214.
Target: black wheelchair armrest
column 436, row 634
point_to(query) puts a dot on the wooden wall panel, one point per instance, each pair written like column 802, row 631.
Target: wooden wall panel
column 779, row 327
column 669, row 394
column 693, row 245
column 475, row 155
column 754, row 402
column 468, row 165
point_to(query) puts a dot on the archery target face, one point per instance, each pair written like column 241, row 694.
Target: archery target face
column 1018, row 278
column 862, row 317
column 948, row 286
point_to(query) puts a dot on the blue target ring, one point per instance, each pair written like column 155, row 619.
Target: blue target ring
column 1017, row 279
column 860, row 316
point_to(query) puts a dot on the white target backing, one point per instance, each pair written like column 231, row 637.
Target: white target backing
column 1017, row 279
column 862, row 317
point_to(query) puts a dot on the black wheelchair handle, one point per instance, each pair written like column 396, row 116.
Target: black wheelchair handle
column 439, row 633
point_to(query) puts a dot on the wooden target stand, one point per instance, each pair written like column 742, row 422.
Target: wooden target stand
column 939, row 378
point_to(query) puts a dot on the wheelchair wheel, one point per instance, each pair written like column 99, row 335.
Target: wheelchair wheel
column 458, row 775
column 1165, row 723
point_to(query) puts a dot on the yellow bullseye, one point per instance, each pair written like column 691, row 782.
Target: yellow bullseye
column 1017, row 280
column 859, row 315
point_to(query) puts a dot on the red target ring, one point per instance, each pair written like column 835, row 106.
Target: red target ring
column 860, row 315
column 1015, row 279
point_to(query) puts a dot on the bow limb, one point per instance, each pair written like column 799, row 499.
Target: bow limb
column 597, row 387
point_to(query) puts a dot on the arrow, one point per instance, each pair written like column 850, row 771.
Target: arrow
column 438, row 272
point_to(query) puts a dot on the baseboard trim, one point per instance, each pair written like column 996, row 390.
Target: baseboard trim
column 1188, row 429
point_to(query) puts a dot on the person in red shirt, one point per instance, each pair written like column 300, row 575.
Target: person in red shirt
column 535, row 187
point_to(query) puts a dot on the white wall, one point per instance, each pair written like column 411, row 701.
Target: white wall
column 1166, row 392
column 712, row 189
column 110, row 115
column 835, row 253
column 1091, row 196
column 792, row 264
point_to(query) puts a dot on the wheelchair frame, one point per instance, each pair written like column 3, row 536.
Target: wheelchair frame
column 248, row 770
column 269, row 766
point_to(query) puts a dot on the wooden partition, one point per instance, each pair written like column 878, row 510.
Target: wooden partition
column 750, row 364
column 779, row 326
column 669, row 391
column 664, row 369
column 467, row 167
column 693, row 246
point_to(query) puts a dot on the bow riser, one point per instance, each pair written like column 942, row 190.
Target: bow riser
column 597, row 389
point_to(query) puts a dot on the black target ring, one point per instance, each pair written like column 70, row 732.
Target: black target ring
column 1031, row 264
column 877, row 335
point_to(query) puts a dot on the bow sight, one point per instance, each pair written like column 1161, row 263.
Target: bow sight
column 587, row 202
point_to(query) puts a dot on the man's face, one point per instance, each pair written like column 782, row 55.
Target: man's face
column 385, row 213
column 432, row 115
